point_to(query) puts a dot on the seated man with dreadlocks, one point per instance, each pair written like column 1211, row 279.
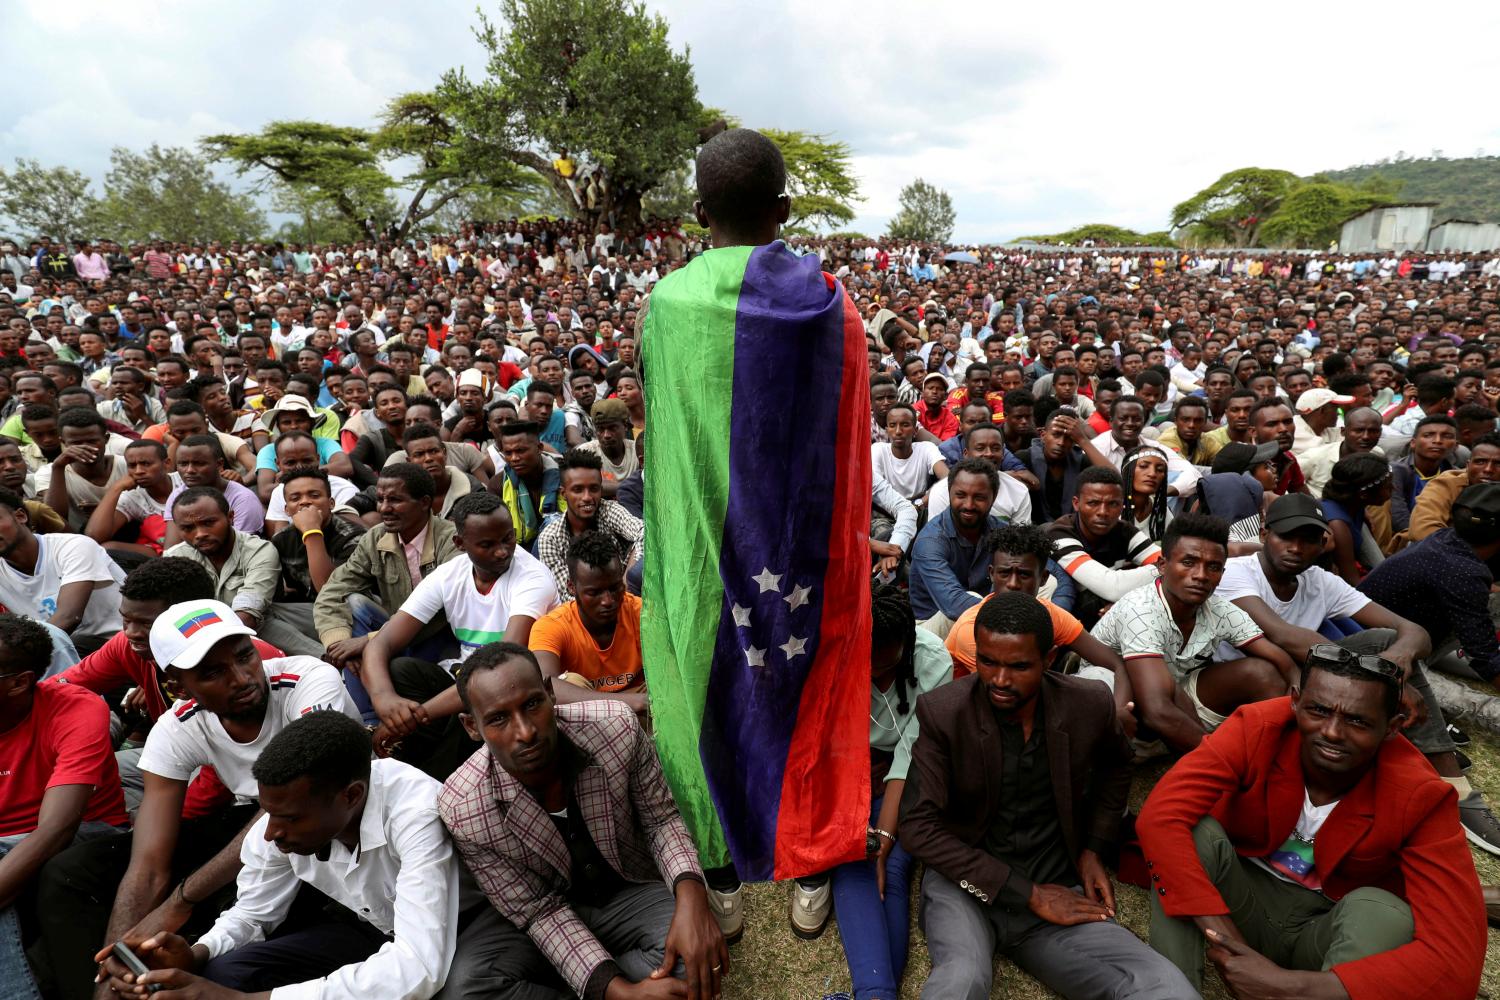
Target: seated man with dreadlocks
column 870, row 895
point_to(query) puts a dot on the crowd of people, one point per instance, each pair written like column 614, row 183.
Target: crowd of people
column 321, row 642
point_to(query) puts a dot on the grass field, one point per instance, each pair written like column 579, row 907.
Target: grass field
column 770, row 963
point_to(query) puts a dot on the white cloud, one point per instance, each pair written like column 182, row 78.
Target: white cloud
column 1034, row 118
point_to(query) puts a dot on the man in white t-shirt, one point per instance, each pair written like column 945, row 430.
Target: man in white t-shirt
column 909, row 465
column 236, row 703
column 64, row 580
column 494, row 590
column 1299, row 605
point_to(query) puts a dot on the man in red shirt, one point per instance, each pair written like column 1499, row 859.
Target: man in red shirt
column 58, row 781
column 977, row 387
column 932, row 409
column 1314, row 850
column 126, row 661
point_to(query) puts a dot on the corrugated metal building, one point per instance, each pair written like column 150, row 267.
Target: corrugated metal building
column 1463, row 236
column 1394, row 228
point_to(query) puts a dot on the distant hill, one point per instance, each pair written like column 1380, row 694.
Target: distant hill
column 1467, row 188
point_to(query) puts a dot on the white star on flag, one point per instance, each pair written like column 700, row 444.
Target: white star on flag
column 767, row 580
column 741, row 616
column 793, row 647
column 797, row 597
column 755, row 657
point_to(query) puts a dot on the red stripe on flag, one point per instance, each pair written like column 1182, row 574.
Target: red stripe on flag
column 825, row 809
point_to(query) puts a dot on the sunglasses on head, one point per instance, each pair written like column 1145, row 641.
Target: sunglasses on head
column 1379, row 665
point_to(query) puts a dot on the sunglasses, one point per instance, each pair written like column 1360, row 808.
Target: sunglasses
column 1370, row 663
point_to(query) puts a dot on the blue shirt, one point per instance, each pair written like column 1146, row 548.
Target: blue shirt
column 953, row 449
column 555, row 433
column 949, row 573
column 266, row 457
column 1458, row 608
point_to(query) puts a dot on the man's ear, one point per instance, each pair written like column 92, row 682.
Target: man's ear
column 700, row 214
column 783, row 208
column 470, row 726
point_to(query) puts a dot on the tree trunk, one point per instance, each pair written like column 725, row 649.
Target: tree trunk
column 626, row 205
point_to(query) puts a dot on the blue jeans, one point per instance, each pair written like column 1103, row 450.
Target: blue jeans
column 16, row 981
column 369, row 616
column 64, row 653
column 874, row 930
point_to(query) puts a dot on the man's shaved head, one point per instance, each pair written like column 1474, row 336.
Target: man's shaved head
column 741, row 176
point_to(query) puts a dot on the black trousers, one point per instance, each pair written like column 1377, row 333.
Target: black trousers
column 76, row 892
column 437, row 748
column 284, row 959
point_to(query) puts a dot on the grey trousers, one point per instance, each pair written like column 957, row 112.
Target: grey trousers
column 289, row 627
column 496, row 960
column 1084, row 962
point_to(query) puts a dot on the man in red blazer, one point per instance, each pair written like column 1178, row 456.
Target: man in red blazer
column 1317, row 894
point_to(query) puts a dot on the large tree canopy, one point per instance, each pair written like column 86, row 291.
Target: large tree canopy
column 926, row 214
column 171, row 193
column 1231, row 210
column 580, row 84
column 45, row 201
column 333, row 162
column 1253, row 207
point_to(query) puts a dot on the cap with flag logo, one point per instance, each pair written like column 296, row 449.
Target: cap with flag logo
column 185, row 632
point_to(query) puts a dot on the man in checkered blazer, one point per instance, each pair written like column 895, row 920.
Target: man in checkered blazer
column 566, row 823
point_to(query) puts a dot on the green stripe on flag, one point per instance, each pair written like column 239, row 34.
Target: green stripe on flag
column 687, row 352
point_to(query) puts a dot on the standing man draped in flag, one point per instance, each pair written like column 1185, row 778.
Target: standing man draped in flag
column 756, row 617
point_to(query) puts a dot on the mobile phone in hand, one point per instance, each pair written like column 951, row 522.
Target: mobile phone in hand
column 128, row 958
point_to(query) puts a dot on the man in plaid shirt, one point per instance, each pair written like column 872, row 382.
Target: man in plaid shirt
column 588, row 510
column 566, row 823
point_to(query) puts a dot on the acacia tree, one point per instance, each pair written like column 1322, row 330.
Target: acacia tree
column 334, row 162
column 451, row 162
column 45, row 201
column 926, row 214
column 818, row 177
column 1232, row 209
column 596, row 80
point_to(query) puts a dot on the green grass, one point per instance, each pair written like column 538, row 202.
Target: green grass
column 770, row 963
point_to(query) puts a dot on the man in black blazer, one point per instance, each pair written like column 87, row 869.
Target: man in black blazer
column 1018, row 782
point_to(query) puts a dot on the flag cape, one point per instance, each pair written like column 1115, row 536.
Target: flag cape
column 755, row 628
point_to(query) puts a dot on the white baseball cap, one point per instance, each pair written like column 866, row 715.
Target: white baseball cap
column 1312, row 399
column 185, row 632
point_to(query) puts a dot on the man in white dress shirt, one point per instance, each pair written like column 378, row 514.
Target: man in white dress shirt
column 364, row 834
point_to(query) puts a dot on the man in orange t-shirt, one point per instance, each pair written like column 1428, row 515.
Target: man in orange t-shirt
column 593, row 643
column 1019, row 563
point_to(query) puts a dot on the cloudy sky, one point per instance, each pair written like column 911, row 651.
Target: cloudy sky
column 1035, row 118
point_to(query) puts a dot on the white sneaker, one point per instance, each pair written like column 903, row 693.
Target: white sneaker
column 728, row 909
column 810, row 909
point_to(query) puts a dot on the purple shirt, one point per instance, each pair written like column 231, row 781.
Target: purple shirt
column 244, row 507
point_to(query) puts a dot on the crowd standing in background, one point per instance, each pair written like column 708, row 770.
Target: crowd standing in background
column 269, row 510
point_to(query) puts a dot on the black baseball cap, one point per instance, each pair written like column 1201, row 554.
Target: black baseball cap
column 1482, row 500
column 1236, row 457
column 1295, row 510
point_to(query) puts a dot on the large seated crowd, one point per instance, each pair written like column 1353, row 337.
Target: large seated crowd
column 320, row 652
